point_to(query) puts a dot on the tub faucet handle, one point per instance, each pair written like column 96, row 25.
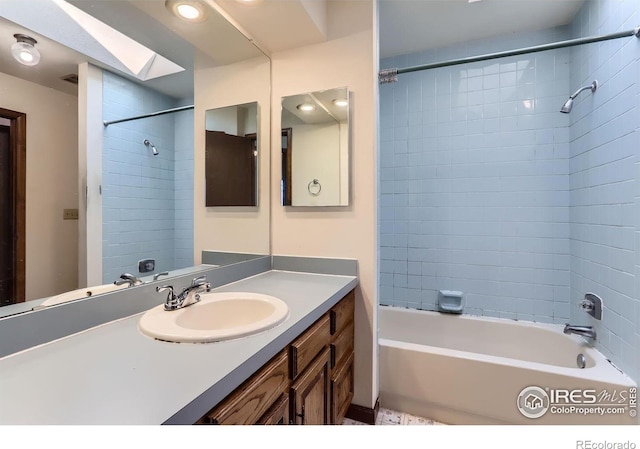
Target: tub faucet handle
column 585, row 304
column 592, row 304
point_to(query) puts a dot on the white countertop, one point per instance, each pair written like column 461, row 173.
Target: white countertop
column 113, row 374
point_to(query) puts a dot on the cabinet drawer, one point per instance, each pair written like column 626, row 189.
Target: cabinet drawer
column 253, row 398
column 308, row 345
column 278, row 413
column 342, row 313
column 341, row 390
column 342, row 346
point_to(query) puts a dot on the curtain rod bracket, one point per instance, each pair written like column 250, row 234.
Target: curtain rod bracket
column 388, row 76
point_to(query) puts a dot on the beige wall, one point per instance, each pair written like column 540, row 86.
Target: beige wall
column 347, row 59
column 52, row 176
column 236, row 229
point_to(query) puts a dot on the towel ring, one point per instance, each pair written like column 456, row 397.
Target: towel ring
column 313, row 185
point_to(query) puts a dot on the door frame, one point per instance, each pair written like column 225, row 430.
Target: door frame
column 18, row 148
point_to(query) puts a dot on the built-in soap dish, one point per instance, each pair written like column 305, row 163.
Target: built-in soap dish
column 450, row 301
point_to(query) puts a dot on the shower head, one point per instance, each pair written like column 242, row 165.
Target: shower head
column 566, row 108
column 153, row 147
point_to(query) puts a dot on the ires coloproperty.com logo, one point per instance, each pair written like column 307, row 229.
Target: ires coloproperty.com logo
column 534, row 402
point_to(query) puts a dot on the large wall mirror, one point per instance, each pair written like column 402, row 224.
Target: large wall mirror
column 315, row 148
column 231, row 156
column 144, row 165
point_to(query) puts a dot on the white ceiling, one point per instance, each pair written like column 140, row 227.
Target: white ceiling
column 214, row 42
column 409, row 26
column 406, row 26
column 50, row 70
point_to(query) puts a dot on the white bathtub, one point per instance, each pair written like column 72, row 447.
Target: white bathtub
column 471, row 370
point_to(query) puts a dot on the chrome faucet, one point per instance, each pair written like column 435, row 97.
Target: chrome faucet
column 127, row 278
column 583, row 331
column 190, row 295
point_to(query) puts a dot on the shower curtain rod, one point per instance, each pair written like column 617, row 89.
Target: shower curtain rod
column 151, row 114
column 391, row 75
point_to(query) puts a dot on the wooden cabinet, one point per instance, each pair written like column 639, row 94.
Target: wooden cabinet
column 253, row 398
column 342, row 344
column 308, row 382
column 278, row 413
column 306, row 347
column 310, row 393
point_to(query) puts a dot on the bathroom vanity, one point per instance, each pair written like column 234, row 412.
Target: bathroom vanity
column 300, row 371
column 308, row 382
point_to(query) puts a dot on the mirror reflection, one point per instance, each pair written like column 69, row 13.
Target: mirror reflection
column 137, row 177
column 231, row 156
column 315, row 148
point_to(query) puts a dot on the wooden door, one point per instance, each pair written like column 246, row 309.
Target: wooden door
column 230, row 170
column 287, row 150
column 6, row 220
column 310, row 393
column 12, row 204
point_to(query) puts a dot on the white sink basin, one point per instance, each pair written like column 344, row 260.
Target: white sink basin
column 81, row 293
column 218, row 316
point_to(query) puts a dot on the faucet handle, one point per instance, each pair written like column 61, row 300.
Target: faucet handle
column 170, row 295
column 171, row 303
column 585, row 304
column 157, row 275
column 196, row 282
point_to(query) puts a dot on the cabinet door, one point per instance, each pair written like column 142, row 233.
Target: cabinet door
column 341, row 390
column 310, row 393
column 278, row 414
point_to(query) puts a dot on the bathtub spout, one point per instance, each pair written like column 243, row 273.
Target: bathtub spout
column 584, row 331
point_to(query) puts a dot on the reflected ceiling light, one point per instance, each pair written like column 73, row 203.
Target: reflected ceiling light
column 306, row 107
column 189, row 10
column 249, row 2
column 24, row 50
column 340, row 102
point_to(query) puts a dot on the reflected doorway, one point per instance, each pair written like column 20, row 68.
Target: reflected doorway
column 12, row 204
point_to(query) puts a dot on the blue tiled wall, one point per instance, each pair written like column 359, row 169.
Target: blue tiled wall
column 139, row 195
column 486, row 188
column 474, row 182
column 605, row 198
column 184, row 189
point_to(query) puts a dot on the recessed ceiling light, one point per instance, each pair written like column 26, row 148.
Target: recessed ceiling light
column 340, row 102
column 24, row 50
column 306, row 107
column 189, row 10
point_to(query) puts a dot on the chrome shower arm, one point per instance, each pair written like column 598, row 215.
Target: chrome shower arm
column 593, row 86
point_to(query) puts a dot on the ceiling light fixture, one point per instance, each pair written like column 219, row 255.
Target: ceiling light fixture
column 24, row 50
column 340, row 102
column 306, row 107
column 189, row 10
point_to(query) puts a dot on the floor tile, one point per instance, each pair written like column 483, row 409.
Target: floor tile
column 391, row 417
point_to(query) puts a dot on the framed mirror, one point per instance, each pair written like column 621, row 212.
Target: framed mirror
column 231, row 156
column 315, row 148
